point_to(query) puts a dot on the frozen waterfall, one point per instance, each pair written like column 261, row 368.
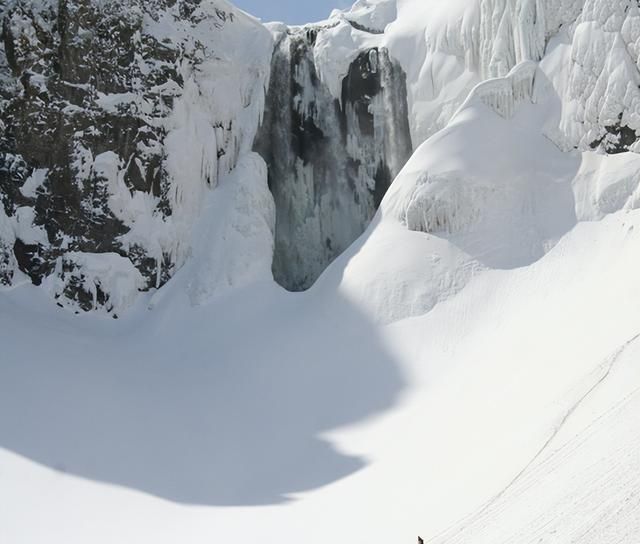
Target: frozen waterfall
column 331, row 158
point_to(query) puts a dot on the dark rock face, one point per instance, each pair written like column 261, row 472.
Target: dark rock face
column 81, row 82
column 64, row 57
column 330, row 160
column 617, row 138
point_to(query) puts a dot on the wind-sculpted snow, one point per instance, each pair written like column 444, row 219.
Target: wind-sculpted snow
column 602, row 88
column 446, row 48
column 504, row 95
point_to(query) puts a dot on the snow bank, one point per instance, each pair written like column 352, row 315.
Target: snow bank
column 605, row 185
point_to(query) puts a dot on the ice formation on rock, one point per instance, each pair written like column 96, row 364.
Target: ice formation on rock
column 331, row 157
column 446, row 48
column 95, row 281
column 602, row 93
column 8, row 264
column 234, row 241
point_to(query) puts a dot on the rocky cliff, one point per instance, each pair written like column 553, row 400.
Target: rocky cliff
column 115, row 117
column 119, row 118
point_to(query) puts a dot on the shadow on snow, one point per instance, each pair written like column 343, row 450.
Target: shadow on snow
column 220, row 405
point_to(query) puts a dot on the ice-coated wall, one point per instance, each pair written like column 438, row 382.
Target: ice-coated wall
column 331, row 158
column 601, row 87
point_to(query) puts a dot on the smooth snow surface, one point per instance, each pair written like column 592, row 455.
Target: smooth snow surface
column 467, row 371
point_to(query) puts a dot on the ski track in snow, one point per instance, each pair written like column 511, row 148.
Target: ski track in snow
column 450, row 535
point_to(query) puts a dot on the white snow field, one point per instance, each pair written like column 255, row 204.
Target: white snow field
column 468, row 371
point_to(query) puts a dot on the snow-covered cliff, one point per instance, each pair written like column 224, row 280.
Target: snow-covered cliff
column 118, row 119
column 106, row 165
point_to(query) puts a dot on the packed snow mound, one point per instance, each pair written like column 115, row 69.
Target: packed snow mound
column 606, row 184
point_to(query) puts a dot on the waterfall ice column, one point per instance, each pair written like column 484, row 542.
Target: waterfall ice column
column 330, row 160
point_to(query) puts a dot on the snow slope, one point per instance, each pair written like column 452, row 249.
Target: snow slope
column 341, row 430
column 184, row 422
column 466, row 371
